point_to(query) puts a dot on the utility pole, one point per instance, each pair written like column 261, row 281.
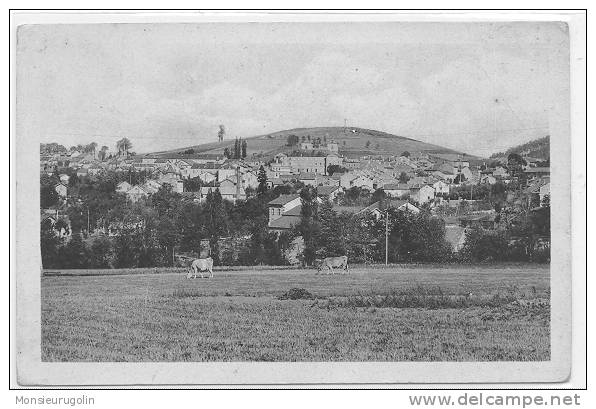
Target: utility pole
column 88, row 221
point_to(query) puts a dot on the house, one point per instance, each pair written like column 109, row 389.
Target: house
column 397, row 189
column 177, row 185
column 152, row 186
column 94, row 170
column 468, row 175
column 82, row 172
column 351, row 163
column 123, row 187
column 136, row 193
column 327, row 180
column 404, row 206
column 250, row 179
column 363, row 182
column 374, row 210
column 500, row 172
column 226, row 171
column 232, row 191
column 274, row 182
column 61, row 189
column 281, row 205
column 488, row 179
column 309, row 179
column 345, row 179
column 328, row 192
column 285, row 212
column 441, row 188
column 447, row 177
column 537, row 172
column 422, row 193
column 287, row 220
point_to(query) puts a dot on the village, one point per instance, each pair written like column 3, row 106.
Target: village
column 449, row 186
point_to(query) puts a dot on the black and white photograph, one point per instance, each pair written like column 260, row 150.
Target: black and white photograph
column 371, row 192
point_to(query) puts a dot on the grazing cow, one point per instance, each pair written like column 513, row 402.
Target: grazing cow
column 199, row 265
column 330, row 262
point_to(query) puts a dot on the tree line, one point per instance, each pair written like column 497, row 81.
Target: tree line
column 107, row 231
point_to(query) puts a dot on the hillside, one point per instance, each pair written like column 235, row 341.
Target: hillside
column 352, row 143
column 537, row 148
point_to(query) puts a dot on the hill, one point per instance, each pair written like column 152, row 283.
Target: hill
column 537, row 148
column 353, row 142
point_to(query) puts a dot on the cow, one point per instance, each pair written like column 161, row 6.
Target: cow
column 198, row 266
column 330, row 262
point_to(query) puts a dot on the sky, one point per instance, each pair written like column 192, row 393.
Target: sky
column 474, row 87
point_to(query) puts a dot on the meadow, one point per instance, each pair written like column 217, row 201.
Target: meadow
column 395, row 313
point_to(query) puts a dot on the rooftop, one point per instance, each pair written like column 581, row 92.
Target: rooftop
column 283, row 199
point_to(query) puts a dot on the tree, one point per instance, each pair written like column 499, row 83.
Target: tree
column 262, row 178
column 379, row 195
column 309, row 226
column 47, row 193
column 406, row 154
column 123, row 146
column 367, row 144
column 293, row 140
column 331, row 240
column 221, row 133
column 244, row 146
column 193, row 184
column 331, row 169
column 102, row 152
column 237, row 149
column 515, row 165
column 100, row 253
column 74, row 254
column 216, row 222
column 403, row 177
column 484, row 245
column 92, row 147
column 50, row 245
column 227, row 153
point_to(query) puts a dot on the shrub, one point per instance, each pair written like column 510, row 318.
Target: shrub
column 296, row 294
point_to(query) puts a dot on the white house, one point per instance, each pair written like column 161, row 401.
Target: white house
column 422, row 194
column 441, row 188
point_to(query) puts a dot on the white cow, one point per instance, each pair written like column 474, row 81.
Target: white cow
column 199, row 265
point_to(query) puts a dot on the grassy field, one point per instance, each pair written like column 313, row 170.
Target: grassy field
column 373, row 314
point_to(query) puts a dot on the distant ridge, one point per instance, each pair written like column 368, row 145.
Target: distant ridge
column 537, row 148
column 352, row 141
